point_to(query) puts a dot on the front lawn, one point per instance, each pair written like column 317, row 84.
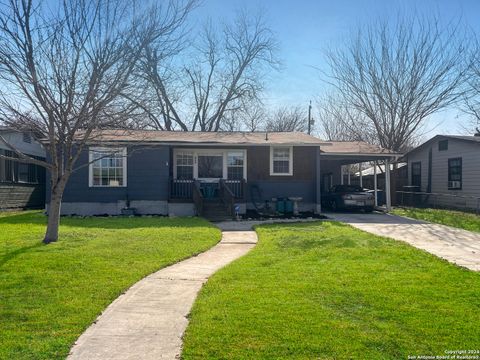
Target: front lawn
column 329, row 291
column 49, row 294
column 458, row 219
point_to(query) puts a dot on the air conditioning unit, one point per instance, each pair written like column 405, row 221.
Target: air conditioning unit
column 454, row 184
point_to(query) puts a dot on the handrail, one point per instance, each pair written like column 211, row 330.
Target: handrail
column 197, row 197
column 237, row 187
column 227, row 197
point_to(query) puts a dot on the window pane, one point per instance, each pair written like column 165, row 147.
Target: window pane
column 184, row 159
column 210, row 166
column 281, row 154
column 235, row 159
column 22, row 172
column 185, row 172
column 280, row 167
column 235, row 173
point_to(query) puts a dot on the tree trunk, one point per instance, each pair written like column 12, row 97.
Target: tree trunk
column 51, row 235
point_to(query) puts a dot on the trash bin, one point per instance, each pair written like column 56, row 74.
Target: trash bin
column 288, row 206
column 281, row 205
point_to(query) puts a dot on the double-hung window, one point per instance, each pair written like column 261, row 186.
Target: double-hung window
column 417, row 174
column 184, row 165
column 281, row 160
column 235, row 165
column 108, row 167
column 455, row 174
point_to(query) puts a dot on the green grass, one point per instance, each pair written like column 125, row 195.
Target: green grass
column 329, row 291
column 49, row 294
column 458, row 219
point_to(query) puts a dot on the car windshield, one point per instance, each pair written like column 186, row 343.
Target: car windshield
column 348, row 188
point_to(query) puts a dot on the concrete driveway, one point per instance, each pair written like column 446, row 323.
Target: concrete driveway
column 458, row 246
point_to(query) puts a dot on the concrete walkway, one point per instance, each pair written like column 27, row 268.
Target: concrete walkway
column 148, row 321
column 458, row 246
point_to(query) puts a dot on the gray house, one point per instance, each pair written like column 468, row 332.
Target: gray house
column 21, row 185
column 447, row 166
column 211, row 174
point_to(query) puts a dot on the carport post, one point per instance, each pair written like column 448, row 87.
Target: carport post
column 375, row 190
column 388, row 198
column 361, row 178
column 348, row 174
column 342, row 171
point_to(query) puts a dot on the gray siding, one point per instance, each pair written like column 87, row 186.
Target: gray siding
column 22, row 196
column 147, row 179
column 149, row 169
column 16, row 139
column 470, row 154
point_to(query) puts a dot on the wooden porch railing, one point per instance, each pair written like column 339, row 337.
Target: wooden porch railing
column 181, row 189
column 227, row 197
column 197, row 197
column 237, row 187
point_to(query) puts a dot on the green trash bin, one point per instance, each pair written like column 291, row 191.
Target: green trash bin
column 281, row 205
column 288, row 206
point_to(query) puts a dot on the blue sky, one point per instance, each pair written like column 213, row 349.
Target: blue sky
column 305, row 27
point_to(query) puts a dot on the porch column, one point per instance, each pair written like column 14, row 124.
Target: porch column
column 318, row 188
column 388, row 199
column 361, row 178
column 375, row 191
column 342, row 171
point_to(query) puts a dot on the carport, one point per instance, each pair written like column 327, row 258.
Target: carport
column 338, row 157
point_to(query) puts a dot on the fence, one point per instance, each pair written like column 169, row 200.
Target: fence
column 438, row 201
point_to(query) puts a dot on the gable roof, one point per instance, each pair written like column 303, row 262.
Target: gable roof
column 472, row 139
column 206, row 138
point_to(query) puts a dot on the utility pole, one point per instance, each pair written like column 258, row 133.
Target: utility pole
column 310, row 117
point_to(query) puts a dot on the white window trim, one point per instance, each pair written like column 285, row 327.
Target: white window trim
column 123, row 150
column 290, row 161
column 217, row 152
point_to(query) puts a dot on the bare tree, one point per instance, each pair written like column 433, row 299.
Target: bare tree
column 253, row 118
column 471, row 99
column 288, row 119
column 225, row 73
column 340, row 122
column 65, row 73
column 397, row 76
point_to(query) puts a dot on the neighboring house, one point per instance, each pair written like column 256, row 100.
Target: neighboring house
column 22, row 185
column 211, row 174
column 447, row 165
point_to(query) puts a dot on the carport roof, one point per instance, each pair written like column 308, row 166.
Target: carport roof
column 354, row 148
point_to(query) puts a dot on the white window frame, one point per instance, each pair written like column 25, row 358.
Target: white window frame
column 123, row 151
column 213, row 152
column 290, row 161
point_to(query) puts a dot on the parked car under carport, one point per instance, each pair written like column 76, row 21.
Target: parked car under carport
column 348, row 197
